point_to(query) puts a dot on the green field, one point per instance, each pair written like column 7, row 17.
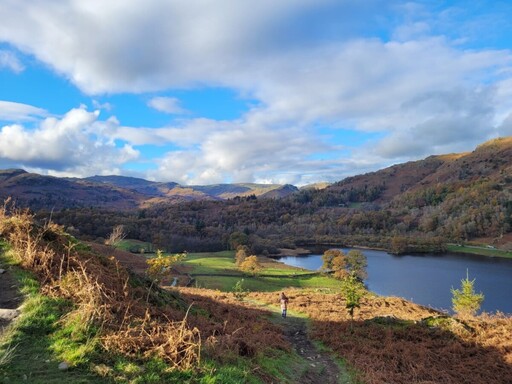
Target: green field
column 131, row 245
column 478, row 250
column 218, row 271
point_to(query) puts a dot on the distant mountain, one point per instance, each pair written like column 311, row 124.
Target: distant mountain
column 148, row 188
column 48, row 192
column 315, row 186
column 398, row 184
column 215, row 191
column 118, row 192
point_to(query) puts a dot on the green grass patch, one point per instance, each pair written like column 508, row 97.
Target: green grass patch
column 224, row 274
column 135, row 246
column 478, row 251
column 211, row 263
column 265, row 284
column 32, row 343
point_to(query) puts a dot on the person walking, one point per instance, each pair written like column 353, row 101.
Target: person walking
column 284, row 304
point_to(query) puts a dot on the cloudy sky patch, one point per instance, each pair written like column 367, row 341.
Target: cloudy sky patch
column 209, row 91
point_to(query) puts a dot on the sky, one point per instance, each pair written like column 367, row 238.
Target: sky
column 225, row 91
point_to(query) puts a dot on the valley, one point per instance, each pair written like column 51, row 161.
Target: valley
column 134, row 311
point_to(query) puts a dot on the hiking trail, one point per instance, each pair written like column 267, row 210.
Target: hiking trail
column 10, row 298
column 321, row 365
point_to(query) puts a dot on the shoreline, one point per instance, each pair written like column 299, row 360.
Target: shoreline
column 451, row 248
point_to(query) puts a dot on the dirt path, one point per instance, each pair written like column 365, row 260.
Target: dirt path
column 322, row 369
column 320, row 366
column 10, row 298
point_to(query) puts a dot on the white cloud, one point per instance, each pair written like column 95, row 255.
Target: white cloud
column 422, row 91
column 73, row 144
column 10, row 111
column 169, row 105
column 144, row 46
column 239, row 154
column 10, row 61
column 450, row 121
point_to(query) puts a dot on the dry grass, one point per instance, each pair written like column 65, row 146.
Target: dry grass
column 100, row 290
column 104, row 297
column 231, row 328
column 390, row 343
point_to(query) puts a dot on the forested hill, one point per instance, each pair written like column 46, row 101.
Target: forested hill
column 443, row 198
column 491, row 161
column 416, row 206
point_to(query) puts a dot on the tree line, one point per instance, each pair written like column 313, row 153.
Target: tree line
column 415, row 221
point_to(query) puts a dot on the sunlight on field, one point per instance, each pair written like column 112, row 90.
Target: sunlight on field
column 222, row 274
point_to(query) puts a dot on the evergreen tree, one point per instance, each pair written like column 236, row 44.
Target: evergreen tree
column 465, row 301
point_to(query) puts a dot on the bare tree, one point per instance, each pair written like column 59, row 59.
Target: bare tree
column 117, row 235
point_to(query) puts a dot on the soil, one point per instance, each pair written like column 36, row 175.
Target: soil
column 10, row 298
column 322, row 367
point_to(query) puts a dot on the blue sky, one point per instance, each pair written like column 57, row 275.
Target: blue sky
column 204, row 92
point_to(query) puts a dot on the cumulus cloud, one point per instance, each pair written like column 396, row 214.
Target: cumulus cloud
column 10, row 61
column 72, row 144
column 147, row 45
column 235, row 152
column 169, row 105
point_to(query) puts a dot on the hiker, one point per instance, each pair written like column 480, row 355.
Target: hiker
column 284, row 304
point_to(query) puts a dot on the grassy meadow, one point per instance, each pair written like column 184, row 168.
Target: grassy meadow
column 478, row 250
column 218, row 271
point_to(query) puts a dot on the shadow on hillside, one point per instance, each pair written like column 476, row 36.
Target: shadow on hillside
column 404, row 352
column 382, row 349
column 230, row 328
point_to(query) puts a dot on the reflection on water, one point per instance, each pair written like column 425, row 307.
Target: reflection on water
column 427, row 279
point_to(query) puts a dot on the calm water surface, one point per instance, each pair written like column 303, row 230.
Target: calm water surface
column 427, row 279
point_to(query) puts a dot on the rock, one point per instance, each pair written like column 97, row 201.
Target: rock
column 2, row 271
column 8, row 314
column 64, row 366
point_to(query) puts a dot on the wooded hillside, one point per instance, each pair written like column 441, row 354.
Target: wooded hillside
column 415, row 206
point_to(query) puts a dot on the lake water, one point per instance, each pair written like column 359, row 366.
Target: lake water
column 427, row 279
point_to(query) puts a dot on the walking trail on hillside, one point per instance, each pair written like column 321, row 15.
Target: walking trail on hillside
column 321, row 366
column 10, row 298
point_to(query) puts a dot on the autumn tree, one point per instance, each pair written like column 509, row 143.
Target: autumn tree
column 159, row 267
column 241, row 254
column 342, row 265
column 357, row 263
column 465, row 301
column 333, row 259
column 398, row 245
column 251, row 265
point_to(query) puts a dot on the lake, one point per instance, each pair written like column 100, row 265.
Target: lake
column 427, row 279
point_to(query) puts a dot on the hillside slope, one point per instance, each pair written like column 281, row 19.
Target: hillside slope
column 491, row 160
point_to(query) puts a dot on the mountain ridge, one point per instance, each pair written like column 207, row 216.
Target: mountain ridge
column 119, row 192
column 491, row 160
